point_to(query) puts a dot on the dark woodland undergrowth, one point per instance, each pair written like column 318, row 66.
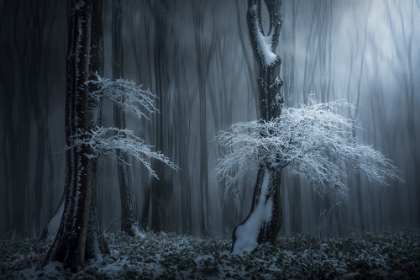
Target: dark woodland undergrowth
column 390, row 255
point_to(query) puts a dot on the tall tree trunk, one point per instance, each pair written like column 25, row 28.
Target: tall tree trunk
column 161, row 190
column 70, row 242
column 265, row 218
column 96, row 242
column 127, row 195
column 79, row 236
column 290, row 98
column 200, row 59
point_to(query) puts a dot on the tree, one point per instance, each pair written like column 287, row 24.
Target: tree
column 128, row 199
column 267, row 188
column 312, row 141
column 69, row 245
column 160, row 190
column 94, row 109
column 79, row 236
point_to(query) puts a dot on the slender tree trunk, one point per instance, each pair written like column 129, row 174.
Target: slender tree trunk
column 260, row 228
column 290, row 98
column 200, row 60
column 127, row 195
column 161, row 190
column 96, row 242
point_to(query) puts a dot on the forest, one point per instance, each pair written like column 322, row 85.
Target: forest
column 210, row 139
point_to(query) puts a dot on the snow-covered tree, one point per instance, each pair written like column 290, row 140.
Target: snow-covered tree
column 267, row 188
column 79, row 236
column 312, row 141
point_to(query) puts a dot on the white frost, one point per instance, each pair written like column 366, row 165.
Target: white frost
column 133, row 99
column 313, row 141
column 106, row 141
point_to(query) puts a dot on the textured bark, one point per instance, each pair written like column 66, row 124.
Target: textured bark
column 268, row 88
column 96, row 242
column 70, row 242
column 80, row 236
column 270, row 99
column 127, row 195
column 93, row 120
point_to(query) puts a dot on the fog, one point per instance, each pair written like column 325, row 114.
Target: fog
column 197, row 58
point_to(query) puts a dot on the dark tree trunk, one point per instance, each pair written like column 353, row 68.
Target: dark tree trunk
column 93, row 120
column 296, row 207
column 200, row 60
column 266, row 213
column 96, row 242
column 127, row 196
column 161, row 190
column 290, row 98
column 79, row 236
column 70, row 242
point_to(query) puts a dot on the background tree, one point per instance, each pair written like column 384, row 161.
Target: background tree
column 160, row 190
column 128, row 199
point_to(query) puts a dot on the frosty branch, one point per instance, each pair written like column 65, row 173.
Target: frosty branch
column 312, row 141
column 130, row 97
column 106, row 141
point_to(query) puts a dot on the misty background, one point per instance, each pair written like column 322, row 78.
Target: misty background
column 196, row 57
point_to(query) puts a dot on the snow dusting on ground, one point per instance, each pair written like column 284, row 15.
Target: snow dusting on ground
column 392, row 255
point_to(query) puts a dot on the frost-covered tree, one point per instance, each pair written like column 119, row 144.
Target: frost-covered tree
column 79, row 236
column 313, row 141
column 267, row 188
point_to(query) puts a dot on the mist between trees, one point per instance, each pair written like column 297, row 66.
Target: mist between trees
column 195, row 56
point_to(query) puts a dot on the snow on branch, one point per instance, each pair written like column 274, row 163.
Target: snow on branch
column 312, row 141
column 126, row 94
column 105, row 141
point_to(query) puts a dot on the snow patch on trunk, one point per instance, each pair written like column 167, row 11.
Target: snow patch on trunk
column 54, row 223
column 136, row 231
column 264, row 43
column 264, row 46
column 247, row 233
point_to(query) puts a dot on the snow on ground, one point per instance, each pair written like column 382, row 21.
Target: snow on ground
column 393, row 255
